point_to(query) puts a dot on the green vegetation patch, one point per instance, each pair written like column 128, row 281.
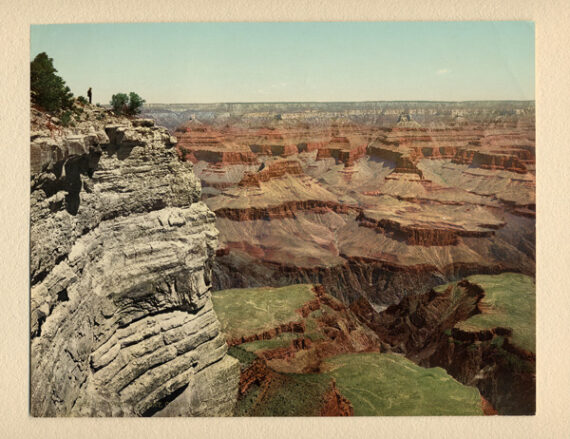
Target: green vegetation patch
column 510, row 301
column 249, row 311
column 312, row 329
column 280, row 341
column 293, row 395
column 391, row 385
column 246, row 403
column 244, row 357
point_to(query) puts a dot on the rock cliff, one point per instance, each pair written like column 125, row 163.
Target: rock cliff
column 122, row 322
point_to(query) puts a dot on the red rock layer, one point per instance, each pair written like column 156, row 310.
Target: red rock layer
column 257, row 373
column 274, row 170
column 464, row 156
column 204, row 143
column 225, row 157
column 495, row 161
column 504, row 150
column 405, row 163
column 488, row 409
column 285, row 210
column 283, row 150
column 499, row 161
column 435, row 152
column 424, row 236
column 298, row 327
column 342, row 153
column 501, row 147
column 310, row 146
column 334, row 404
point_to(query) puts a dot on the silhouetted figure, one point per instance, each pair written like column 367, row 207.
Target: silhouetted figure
column 89, row 94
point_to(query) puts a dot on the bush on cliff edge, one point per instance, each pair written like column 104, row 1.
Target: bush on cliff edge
column 129, row 105
column 48, row 89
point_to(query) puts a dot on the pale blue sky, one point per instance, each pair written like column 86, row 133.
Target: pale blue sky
column 254, row 62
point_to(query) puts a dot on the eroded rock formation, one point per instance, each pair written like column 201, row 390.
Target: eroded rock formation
column 434, row 329
column 122, row 322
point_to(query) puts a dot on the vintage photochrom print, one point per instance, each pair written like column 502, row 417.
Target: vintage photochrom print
column 282, row 219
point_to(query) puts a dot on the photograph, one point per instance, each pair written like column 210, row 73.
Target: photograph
column 282, row 219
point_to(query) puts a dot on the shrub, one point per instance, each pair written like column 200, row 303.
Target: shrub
column 48, row 89
column 67, row 119
column 123, row 104
column 119, row 102
column 135, row 103
column 82, row 100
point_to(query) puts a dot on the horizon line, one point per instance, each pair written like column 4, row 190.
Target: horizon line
column 339, row 102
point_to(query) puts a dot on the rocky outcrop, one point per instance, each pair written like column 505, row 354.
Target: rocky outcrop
column 274, row 170
column 424, row 236
column 405, row 120
column 284, row 210
column 122, row 323
column 280, row 150
column 405, row 163
column 334, row 404
column 257, row 373
column 493, row 160
column 340, row 149
column 295, row 327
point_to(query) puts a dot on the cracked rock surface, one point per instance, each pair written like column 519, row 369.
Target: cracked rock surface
column 121, row 252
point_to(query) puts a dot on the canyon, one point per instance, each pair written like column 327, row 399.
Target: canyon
column 361, row 197
column 284, row 259
column 379, row 203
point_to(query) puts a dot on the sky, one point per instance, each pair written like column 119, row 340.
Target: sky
column 279, row 62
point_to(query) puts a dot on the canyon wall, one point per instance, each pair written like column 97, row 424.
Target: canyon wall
column 122, row 322
column 437, row 329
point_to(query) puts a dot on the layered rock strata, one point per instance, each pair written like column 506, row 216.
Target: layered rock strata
column 122, row 323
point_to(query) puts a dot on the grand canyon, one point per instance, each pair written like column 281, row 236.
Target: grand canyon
column 284, row 259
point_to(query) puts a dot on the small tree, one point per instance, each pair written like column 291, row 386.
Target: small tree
column 130, row 105
column 48, row 89
column 120, row 103
column 135, row 103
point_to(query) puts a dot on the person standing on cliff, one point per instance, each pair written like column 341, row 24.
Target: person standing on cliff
column 89, row 94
